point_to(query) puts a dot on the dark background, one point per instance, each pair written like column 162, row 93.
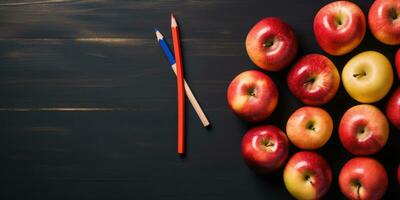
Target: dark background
column 88, row 100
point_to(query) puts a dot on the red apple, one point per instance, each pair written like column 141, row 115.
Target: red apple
column 393, row 108
column 252, row 95
column 265, row 148
column 397, row 62
column 363, row 130
column 398, row 174
column 271, row 44
column 309, row 127
column 363, row 178
column 307, row 175
column 339, row 27
column 314, row 79
column 384, row 21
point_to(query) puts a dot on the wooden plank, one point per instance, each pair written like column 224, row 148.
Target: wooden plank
column 100, row 73
column 127, row 19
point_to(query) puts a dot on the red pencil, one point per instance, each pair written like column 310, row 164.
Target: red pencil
column 181, row 90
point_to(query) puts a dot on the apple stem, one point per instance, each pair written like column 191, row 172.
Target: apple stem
column 359, row 74
column 358, row 190
column 267, row 142
column 360, row 129
column 309, row 82
column 268, row 43
column 251, row 92
column 310, row 126
column 338, row 21
column 308, row 178
column 393, row 14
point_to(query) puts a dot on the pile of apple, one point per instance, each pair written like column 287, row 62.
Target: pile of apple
column 339, row 27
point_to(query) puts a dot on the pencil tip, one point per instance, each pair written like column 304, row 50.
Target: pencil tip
column 173, row 21
column 158, row 34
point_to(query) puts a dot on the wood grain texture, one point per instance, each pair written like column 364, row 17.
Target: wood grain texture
column 88, row 101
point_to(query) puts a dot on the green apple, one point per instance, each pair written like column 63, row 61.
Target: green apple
column 368, row 77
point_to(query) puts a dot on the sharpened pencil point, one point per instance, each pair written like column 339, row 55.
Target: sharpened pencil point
column 155, row 29
column 173, row 21
column 158, row 35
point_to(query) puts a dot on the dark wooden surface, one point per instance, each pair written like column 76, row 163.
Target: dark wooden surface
column 88, row 102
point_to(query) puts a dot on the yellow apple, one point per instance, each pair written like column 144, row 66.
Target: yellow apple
column 368, row 77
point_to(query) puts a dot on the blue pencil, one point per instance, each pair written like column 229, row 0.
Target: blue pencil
column 165, row 47
column 170, row 56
